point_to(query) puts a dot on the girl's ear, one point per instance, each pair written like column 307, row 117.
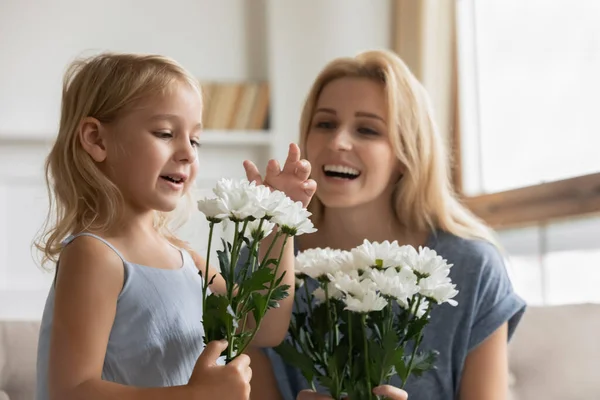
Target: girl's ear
column 92, row 138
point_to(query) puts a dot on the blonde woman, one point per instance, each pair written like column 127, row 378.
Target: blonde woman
column 123, row 319
column 382, row 173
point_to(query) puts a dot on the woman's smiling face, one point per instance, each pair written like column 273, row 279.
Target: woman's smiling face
column 348, row 145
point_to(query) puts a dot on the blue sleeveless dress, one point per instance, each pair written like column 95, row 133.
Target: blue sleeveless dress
column 157, row 333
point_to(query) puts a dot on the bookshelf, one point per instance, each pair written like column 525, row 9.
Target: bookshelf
column 236, row 138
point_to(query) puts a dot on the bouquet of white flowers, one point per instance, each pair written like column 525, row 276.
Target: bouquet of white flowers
column 362, row 316
column 252, row 284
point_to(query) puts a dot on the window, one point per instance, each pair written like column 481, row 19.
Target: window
column 529, row 87
column 557, row 263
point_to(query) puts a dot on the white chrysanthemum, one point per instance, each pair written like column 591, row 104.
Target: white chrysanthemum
column 294, row 219
column 318, row 262
column 371, row 301
column 240, row 198
column 214, row 209
column 273, row 202
column 429, row 263
column 265, row 229
column 382, row 255
column 440, row 290
column 400, row 285
column 350, row 282
column 423, row 305
column 320, row 294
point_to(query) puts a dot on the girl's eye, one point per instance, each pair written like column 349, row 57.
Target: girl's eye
column 163, row 134
column 367, row 131
column 195, row 143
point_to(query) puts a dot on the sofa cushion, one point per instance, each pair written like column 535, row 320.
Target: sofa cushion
column 18, row 343
column 555, row 355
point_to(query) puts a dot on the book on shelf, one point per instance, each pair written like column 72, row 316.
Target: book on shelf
column 236, row 105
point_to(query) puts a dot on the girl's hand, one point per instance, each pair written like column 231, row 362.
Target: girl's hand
column 292, row 180
column 390, row 392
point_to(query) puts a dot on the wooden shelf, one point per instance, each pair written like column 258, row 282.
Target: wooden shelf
column 236, row 138
column 208, row 137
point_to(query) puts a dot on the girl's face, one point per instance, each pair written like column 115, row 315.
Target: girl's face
column 151, row 152
column 348, row 144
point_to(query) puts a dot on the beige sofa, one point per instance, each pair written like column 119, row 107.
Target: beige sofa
column 555, row 355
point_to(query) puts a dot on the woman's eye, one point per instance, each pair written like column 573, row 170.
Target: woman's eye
column 367, row 131
column 325, row 125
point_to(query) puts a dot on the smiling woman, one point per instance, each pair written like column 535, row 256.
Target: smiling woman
column 382, row 174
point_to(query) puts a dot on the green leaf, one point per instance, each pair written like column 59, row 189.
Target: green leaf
column 278, row 294
column 259, row 301
column 278, row 281
column 224, row 261
column 217, row 317
column 257, row 281
column 424, row 361
column 292, row 356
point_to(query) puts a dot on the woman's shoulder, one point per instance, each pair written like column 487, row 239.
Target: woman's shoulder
column 469, row 252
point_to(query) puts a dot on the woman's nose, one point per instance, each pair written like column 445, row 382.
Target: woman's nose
column 341, row 140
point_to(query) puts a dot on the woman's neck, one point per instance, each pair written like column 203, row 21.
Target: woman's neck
column 345, row 228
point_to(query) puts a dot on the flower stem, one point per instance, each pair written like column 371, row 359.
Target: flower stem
column 417, row 344
column 206, row 275
column 266, row 257
column 366, row 352
column 269, row 292
column 350, row 344
column 308, row 300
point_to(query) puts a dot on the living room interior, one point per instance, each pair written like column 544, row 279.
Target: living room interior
column 513, row 84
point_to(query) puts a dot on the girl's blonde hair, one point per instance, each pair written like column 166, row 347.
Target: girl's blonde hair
column 105, row 87
column 423, row 198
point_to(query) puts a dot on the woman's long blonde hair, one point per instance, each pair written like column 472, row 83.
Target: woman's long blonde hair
column 424, row 199
column 103, row 86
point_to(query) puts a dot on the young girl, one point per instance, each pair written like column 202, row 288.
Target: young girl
column 123, row 318
column 382, row 174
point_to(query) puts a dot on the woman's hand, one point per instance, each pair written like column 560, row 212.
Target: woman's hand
column 293, row 179
column 390, row 392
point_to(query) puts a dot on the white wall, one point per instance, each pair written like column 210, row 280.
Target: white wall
column 285, row 41
column 39, row 38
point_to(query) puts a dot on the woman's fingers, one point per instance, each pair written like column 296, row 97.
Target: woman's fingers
column 390, row 391
column 252, row 172
column 310, row 395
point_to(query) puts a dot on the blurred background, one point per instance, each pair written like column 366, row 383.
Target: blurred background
column 514, row 83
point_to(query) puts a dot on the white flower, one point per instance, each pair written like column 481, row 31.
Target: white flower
column 371, row 301
column 320, row 294
column 214, row 209
column 429, row 263
column 317, row 262
column 381, row 255
column 350, row 283
column 294, row 219
column 423, row 306
column 400, row 285
column 265, row 229
column 240, row 198
column 273, row 202
column 442, row 291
